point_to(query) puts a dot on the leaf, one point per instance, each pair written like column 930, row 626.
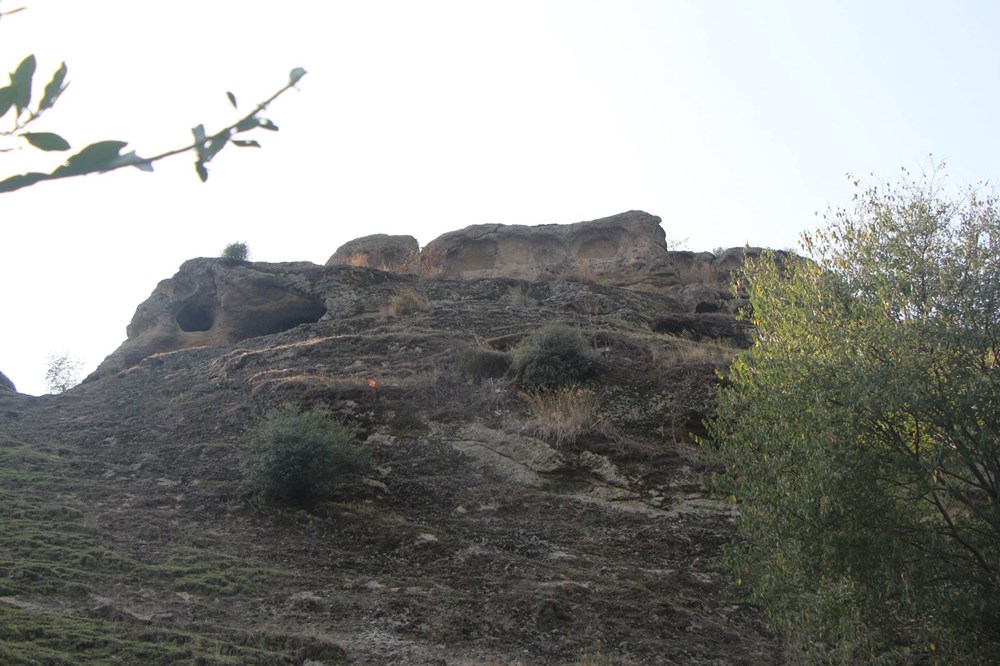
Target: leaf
column 295, row 75
column 96, row 157
column 215, row 144
column 20, row 81
column 202, row 170
column 248, row 123
column 6, row 100
column 22, row 180
column 264, row 123
column 131, row 159
column 199, row 140
column 232, row 99
column 46, row 141
column 246, row 143
column 53, row 89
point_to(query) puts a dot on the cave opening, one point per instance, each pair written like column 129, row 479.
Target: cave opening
column 194, row 317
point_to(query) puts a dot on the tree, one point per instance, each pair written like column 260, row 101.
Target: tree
column 105, row 156
column 860, row 436
column 63, row 373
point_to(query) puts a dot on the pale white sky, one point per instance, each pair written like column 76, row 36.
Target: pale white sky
column 734, row 121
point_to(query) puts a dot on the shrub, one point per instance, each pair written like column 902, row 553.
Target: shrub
column 406, row 302
column 296, row 457
column 553, row 356
column 565, row 414
column 478, row 364
column 236, row 252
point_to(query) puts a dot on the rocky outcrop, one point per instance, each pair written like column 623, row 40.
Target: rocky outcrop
column 210, row 302
column 627, row 250
column 382, row 251
column 6, row 386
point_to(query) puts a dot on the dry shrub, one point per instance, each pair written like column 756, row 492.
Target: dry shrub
column 359, row 260
column 478, row 364
column 406, row 302
column 563, row 415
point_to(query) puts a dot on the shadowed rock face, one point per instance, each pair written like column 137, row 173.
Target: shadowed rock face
column 627, row 250
column 209, row 302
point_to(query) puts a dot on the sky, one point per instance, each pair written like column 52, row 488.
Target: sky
column 734, row 121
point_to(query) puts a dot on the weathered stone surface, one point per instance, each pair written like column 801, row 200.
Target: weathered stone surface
column 6, row 386
column 382, row 251
column 629, row 249
column 209, row 302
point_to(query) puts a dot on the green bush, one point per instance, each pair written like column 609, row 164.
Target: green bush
column 235, row 252
column 478, row 364
column 554, row 356
column 296, row 457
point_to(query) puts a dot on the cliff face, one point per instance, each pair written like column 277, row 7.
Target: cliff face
column 214, row 302
column 476, row 536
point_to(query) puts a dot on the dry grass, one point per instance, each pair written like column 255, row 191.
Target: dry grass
column 685, row 351
column 562, row 416
column 407, row 301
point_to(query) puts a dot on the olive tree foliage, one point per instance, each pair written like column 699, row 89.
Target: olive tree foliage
column 21, row 106
column 860, row 435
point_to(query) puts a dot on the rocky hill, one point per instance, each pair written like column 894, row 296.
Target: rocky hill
column 475, row 537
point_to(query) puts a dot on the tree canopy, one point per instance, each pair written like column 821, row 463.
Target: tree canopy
column 860, row 436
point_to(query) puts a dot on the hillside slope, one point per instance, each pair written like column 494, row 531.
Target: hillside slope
column 128, row 536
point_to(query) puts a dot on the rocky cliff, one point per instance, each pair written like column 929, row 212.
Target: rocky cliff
column 475, row 537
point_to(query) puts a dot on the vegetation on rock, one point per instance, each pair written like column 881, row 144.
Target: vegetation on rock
column 860, row 433
column 553, row 356
column 296, row 457
column 235, row 252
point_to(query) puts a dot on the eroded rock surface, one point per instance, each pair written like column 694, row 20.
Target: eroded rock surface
column 209, row 302
column 382, row 251
column 629, row 249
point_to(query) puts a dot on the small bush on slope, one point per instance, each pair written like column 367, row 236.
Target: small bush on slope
column 554, row 356
column 296, row 457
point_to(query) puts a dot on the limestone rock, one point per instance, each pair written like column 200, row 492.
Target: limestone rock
column 628, row 249
column 382, row 251
column 6, row 386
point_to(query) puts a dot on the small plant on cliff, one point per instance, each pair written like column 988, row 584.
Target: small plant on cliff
column 564, row 415
column 478, row 363
column 296, row 457
column 406, row 302
column 554, row 356
column 235, row 252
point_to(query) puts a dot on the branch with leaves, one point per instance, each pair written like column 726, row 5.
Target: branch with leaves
column 105, row 156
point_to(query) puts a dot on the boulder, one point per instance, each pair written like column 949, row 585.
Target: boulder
column 382, row 251
column 6, row 386
column 627, row 250
column 211, row 302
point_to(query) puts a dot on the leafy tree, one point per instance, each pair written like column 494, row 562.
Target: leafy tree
column 861, row 434
column 63, row 373
column 103, row 156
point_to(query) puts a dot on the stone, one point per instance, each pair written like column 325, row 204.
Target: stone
column 628, row 250
column 381, row 251
column 210, row 302
column 6, row 386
